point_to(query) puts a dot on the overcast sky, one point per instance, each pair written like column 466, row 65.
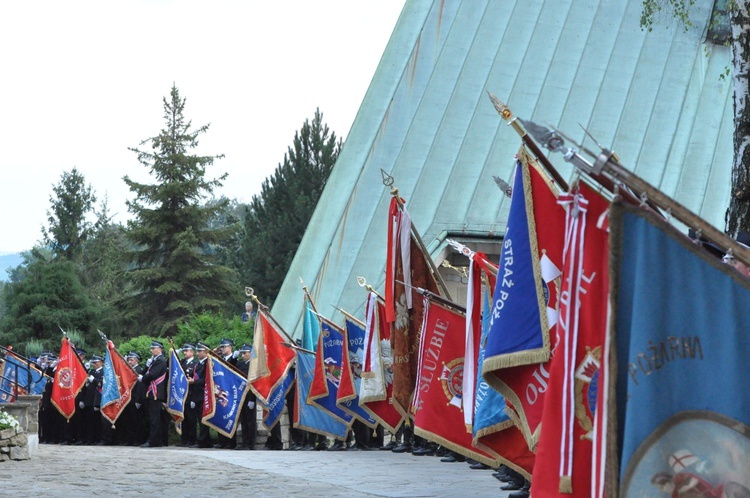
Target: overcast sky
column 82, row 81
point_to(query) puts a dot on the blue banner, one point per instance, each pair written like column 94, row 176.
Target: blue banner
column 682, row 345
column 489, row 404
column 230, row 389
column 18, row 372
column 355, row 333
column 178, row 387
column 276, row 401
column 311, row 417
column 310, row 328
column 517, row 321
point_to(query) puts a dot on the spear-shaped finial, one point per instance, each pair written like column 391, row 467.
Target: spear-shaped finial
column 65, row 334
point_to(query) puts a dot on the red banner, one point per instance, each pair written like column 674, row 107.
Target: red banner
column 70, row 377
column 569, row 407
column 407, row 269
column 437, row 399
column 271, row 359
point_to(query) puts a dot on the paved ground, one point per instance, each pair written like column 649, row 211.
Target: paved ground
column 126, row 471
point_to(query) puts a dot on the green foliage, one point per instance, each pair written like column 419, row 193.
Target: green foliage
column 679, row 9
column 277, row 218
column 101, row 270
column 141, row 345
column 48, row 295
column 173, row 273
column 34, row 348
column 210, row 328
column 68, row 229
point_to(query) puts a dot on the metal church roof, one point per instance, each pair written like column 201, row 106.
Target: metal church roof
column 655, row 98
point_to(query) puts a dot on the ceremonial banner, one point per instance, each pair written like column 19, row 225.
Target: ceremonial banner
column 525, row 297
column 493, row 430
column 310, row 327
column 570, row 400
column 437, row 399
column 310, row 417
column 224, row 394
column 347, row 397
column 679, row 332
column 275, row 407
column 329, row 358
column 177, row 391
column 482, row 278
column 271, row 358
column 406, row 269
column 376, row 388
column 18, row 376
column 117, row 383
column 70, row 377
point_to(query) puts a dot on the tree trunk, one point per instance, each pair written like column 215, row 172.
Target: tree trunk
column 738, row 213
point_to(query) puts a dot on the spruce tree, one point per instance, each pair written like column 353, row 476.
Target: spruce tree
column 173, row 273
column 68, row 230
column 277, row 218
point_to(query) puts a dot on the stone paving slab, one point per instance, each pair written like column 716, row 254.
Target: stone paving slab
column 126, row 471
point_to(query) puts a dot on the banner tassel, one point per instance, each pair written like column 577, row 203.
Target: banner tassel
column 566, row 485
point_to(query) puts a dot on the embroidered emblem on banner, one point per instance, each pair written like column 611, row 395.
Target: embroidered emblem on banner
column 586, row 387
column 66, row 378
column 452, row 379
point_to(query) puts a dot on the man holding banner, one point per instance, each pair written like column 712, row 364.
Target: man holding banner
column 155, row 380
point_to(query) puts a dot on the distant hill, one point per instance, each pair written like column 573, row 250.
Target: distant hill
column 8, row 261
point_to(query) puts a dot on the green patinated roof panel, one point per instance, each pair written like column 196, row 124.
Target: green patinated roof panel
column 655, row 98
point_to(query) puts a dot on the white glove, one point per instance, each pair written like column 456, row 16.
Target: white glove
column 149, row 361
column 81, row 405
column 96, row 408
column 137, row 406
column 140, row 377
column 91, row 378
column 235, row 354
column 251, row 404
column 192, row 404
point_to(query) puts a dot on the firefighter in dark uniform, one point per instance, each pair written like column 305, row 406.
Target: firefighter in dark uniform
column 229, row 356
column 155, row 380
column 134, row 415
column 248, row 421
column 197, row 383
column 190, row 423
column 91, row 402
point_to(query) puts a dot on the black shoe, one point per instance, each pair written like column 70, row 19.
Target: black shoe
column 402, row 448
column 337, row 446
column 511, row 486
column 425, row 451
column 195, row 445
column 242, row 447
column 321, row 447
column 479, row 466
column 521, row 493
column 453, row 458
column 205, row 445
column 309, row 447
column 149, row 445
column 220, row 446
column 296, row 447
column 389, row 446
column 441, row 452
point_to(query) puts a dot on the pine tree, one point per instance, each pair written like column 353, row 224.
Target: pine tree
column 68, row 229
column 173, row 273
column 276, row 218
